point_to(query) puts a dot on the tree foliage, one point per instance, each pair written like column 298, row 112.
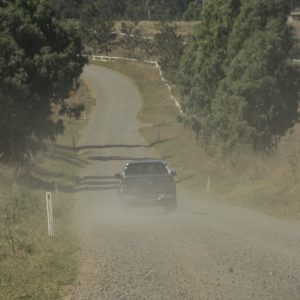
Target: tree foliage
column 168, row 47
column 295, row 4
column 193, row 10
column 97, row 26
column 260, row 76
column 67, row 8
column 165, row 10
column 39, row 60
column 133, row 10
column 202, row 65
column 236, row 78
column 106, row 10
column 132, row 37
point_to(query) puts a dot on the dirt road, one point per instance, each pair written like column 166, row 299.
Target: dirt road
column 203, row 251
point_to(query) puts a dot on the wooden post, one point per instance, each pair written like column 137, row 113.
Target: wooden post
column 50, row 214
column 208, row 184
column 73, row 143
column 157, row 136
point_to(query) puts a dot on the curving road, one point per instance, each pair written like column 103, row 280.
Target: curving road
column 205, row 250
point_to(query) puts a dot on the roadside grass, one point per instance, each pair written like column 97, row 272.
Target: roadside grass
column 34, row 266
column 267, row 183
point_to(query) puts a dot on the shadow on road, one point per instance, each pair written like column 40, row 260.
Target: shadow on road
column 117, row 158
column 90, row 147
column 79, row 184
column 50, row 180
column 93, row 183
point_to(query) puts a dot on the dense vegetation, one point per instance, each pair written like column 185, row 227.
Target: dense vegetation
column 168, row 47
column 138, row 9
column 236, row 77
column 132, row 9
column 295, row 4
column 39, row 61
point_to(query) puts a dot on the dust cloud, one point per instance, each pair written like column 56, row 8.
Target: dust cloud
column 202, row 251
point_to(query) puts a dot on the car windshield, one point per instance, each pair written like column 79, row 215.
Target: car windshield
column 153, row 168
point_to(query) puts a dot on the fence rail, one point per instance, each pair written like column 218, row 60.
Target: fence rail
column 155, row 63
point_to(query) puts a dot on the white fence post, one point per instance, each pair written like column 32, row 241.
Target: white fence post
column 50, row 214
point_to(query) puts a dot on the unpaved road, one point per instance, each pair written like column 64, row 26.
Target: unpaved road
column 205, row 250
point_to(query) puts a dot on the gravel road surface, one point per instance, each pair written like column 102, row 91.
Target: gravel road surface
column 205, row 250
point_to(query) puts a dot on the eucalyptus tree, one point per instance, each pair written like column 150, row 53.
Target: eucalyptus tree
column 97, row 24
column 202, row 65
column 236, row 76
column 39, row 60
column 168, row 47
column 257, row 102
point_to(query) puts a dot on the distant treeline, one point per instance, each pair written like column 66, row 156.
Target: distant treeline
column 132, row 9
column 295, row 3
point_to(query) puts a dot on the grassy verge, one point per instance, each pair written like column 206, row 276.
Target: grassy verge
column 34, row 266
column 265, row 183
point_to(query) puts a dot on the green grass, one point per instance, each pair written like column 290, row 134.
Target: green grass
column 265, row 183
column 36, row 266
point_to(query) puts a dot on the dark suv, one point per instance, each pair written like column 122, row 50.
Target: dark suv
column 148, row 182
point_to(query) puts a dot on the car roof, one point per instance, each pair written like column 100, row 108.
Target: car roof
column 145, row 161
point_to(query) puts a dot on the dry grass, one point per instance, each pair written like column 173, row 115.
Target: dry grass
column 183, row 28
column 37, row 267
column 296, row 25
column 265, row 183
column 149, row 30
